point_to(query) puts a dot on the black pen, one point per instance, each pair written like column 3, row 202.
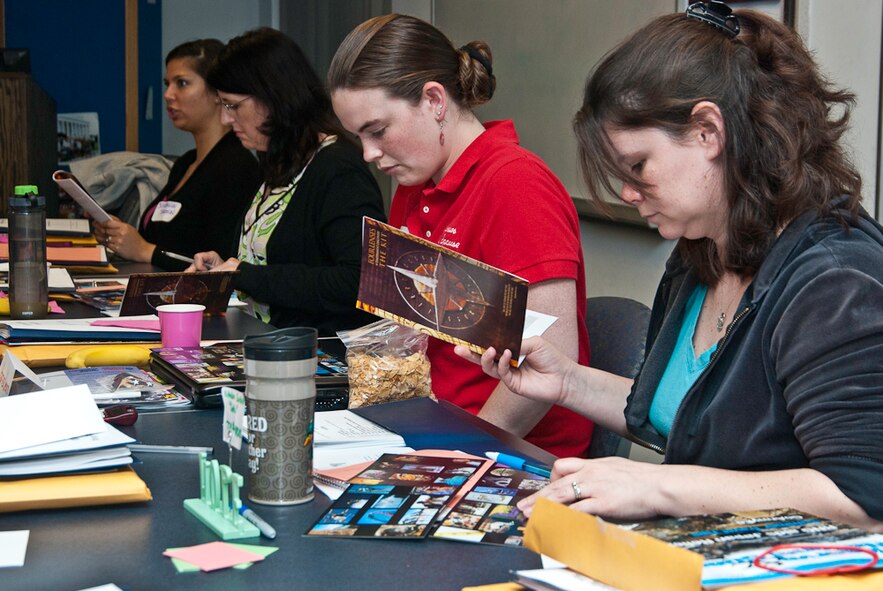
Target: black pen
column 265, row 528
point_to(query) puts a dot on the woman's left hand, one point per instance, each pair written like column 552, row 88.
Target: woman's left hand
column 124, row 239
column 611, row 487
column 211, row 261
column 230, row 264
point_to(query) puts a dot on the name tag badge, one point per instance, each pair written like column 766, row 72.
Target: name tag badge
column 166, row 211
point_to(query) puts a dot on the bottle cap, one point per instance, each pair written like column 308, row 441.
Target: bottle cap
column 27, row 200
column 287, row 344
column 26, row 189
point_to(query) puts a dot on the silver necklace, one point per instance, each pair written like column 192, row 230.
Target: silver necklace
column 720, row 321
column 723, row 315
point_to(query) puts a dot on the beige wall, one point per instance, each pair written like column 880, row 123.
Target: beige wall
column 621, row 260
column 846, row 38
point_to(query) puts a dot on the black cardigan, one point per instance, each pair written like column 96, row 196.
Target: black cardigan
column 213, row 200
column 314, row 255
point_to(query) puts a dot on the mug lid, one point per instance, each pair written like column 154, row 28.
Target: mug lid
column 286, row 344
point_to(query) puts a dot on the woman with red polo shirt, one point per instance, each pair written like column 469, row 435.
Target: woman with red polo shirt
column 399, row 84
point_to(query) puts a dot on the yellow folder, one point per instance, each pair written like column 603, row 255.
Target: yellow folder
column 73, row 490
column 620, row 558
column 55, row 355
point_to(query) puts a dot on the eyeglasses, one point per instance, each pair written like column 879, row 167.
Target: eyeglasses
column 232, row 107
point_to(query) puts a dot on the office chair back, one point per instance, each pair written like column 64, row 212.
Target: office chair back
column 618, row 334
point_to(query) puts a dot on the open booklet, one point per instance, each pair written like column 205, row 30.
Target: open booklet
column 448, row 494
column 73, row 187
column 701, row 551
column 398, row 496
column 730, row 543
column 444, row 293
column 106, row 382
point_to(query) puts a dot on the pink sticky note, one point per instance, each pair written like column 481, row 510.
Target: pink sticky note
column 139, row 324
column 55, row 308
column 213, row 555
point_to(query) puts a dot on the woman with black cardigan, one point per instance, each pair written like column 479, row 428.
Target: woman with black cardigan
column 299, row 251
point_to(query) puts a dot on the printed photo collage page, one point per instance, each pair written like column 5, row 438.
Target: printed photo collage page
column 413, row 496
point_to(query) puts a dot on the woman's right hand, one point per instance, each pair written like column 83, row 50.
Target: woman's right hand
column 204, row 261
column 542, row 376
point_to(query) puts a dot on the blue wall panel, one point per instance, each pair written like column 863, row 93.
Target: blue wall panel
column 150, row 73
column 78, row 57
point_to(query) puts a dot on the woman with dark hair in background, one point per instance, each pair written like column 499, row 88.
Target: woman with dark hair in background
column 300, row 247
column 209, row 187
column 763, row 381
column 399, row 84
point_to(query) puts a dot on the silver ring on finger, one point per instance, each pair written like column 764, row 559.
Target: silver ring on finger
column 577, row 493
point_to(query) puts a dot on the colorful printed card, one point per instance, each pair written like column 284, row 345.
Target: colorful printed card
column 397, row 496
column 488, row 514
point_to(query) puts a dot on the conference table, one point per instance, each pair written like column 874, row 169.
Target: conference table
column 79, row 548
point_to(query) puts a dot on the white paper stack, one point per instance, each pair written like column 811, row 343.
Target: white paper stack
column 55, row 431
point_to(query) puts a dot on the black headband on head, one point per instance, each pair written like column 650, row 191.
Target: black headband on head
column 477, row 56
column 717, row 14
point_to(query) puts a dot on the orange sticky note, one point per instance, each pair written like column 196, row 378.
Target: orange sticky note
column 213, row 555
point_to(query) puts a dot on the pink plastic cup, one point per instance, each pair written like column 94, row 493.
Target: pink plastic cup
column 180, row 325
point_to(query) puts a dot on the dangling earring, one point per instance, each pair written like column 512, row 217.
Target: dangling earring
column 441, row 128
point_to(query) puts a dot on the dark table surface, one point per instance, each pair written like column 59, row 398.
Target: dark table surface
column 73, row 549
column 78, row 548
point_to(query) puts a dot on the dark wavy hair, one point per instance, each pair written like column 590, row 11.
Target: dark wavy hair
column 269, row 66
column 201, row 54
column 783, row 122
column 400, row 54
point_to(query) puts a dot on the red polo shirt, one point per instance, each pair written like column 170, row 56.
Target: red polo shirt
column 502, row 205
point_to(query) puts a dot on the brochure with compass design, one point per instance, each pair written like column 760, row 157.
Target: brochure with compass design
column 144, row 292
column 404, row 277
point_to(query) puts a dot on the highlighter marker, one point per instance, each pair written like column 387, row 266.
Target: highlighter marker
column 519, row 464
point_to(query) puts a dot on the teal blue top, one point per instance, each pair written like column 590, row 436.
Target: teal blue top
column 683, row 367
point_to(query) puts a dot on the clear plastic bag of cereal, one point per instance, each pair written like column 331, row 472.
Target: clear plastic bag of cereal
column 387, row 362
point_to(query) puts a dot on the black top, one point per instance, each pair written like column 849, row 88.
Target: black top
column 315, row 252
column 213, row 200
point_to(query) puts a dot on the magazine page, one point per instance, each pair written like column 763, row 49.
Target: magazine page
column 397, row 496
column 487, row 513
column 731, row 541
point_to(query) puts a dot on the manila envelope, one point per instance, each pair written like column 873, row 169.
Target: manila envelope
column 620, row 558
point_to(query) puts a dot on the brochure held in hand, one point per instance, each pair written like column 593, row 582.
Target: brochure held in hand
column 439, row 291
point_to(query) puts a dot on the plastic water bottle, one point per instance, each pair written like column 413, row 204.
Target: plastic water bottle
column 28, row 275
